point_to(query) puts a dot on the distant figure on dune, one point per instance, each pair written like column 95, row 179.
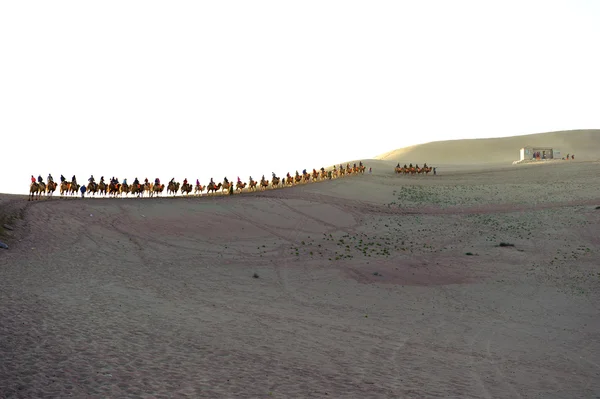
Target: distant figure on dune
column 370, row 170
column 434, row 171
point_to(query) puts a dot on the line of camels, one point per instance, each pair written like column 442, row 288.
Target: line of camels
column 116, row 189
column 412, row 170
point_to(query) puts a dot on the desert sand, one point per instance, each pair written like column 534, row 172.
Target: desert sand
column 372, row 286
column 585, row 144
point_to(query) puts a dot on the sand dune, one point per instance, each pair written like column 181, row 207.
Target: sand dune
column 373, row 286
column 585, row 144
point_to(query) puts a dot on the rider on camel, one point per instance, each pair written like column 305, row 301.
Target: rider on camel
column 304, row 172
column 197, row 182
column 225, row 180
column 212, row 181
column 62, row 178
column 251, row 180
column 239, row 181
column 91, row 179
column 185, row 181
column 101, row 179
column 157, row 181
column 74, row 179
column 410, row 165
column 32, row 179
column 146, row 180
column 360, row 164
column 136, row 181
column 50, row 178
column 40, row 180
column 172, row 181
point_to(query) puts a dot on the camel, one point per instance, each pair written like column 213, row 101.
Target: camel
column 115, row 188
column 240, row 186
column 102, row 188
column 158, row 188
column 225, row 186
column 289, row 180
column 137, row 189
column 186, row 188
column 65, row 187
column 92, row 188
column 123, row 188
column 34, row 191
column 73, row 188
column 198, row 189
column 306, row 177
column 173, row 187
column 51, row 188
column 252, row 185
column 213, row 187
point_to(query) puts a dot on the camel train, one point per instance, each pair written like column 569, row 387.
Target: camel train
column 114, row 188
column 412, row 170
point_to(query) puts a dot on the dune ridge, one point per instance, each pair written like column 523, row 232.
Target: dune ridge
column 585, row 144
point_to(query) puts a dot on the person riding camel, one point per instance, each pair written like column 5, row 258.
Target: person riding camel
column 146, row 180
column 425, row 165
column 360, row 164
column 212, row 181
column 40, row 180
column 410, row 165
column 74, row 179
column 404, row 166
column 124, row 181
column 32, row 179
column 172, row 181
column 50, row 178
column 197, row 182
column 251, row 180
column 102, row 179
column 239, row 181
column 398, row 165
column 304, row 172
column 185, row 181
column 225, row 180
column 354, row 165
column 62, row 178
column 91, row 179
column 136, row 181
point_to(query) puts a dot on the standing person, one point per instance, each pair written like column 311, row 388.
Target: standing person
column 434, row 171
column 82, row 189
column 370, row 170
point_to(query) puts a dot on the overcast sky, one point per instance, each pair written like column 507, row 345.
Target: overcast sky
column 208, row 88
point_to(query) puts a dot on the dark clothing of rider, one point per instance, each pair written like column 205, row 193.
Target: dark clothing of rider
column 40, row 179
column 62, row 178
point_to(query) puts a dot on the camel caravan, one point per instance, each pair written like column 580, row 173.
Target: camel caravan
column 116, row 189
column 413, row 170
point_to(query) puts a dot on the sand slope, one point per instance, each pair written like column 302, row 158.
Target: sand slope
column 585, row 144
column 364, row 290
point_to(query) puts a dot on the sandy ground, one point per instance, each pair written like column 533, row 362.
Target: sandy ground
column 374, row 286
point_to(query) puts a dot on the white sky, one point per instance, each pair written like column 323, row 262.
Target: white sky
column 209, row 88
